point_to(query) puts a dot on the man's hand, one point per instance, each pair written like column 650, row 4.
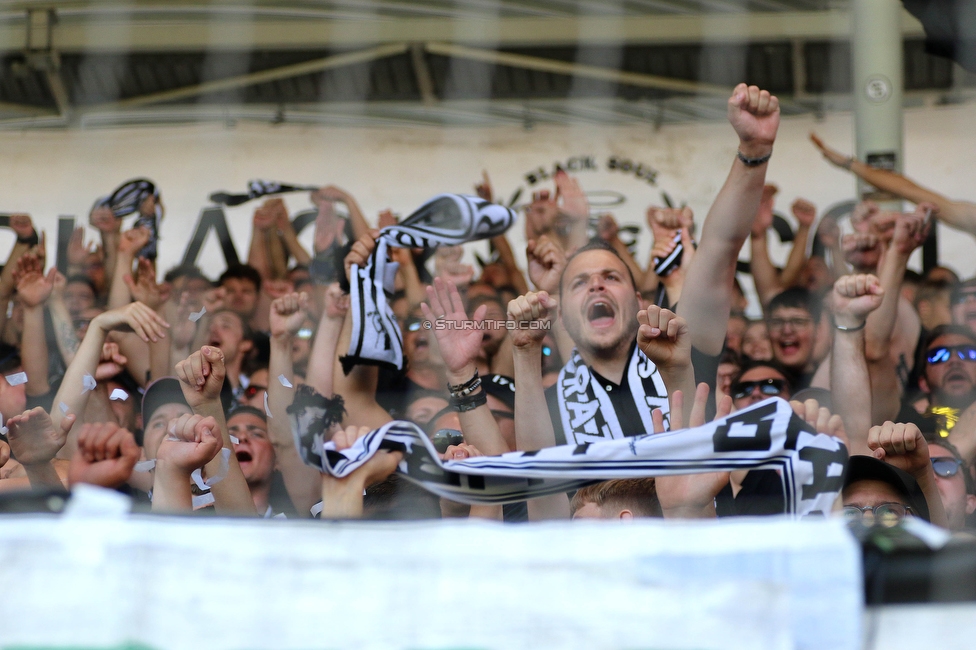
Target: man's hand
column 360, row 251
column 911, row 230
column 336, row 302
column 22, row 225
column 263, row 220
column 854, row 297
column 134, row 317
column 213, row 300
column 33, row 438
column 821, row 419
column 546, row 263
column 34, row 289
column 540, row 214
column 764, row 216
column 832, row 155
column 483, row 189
column 103, row 219
column 105, row 456
column 201, row 376
column 535, row 306
column 329, row 193
column 376, row 469
column 385, row 220
column 805, row 212
column 145, row 289
column 903, row 446
column 110, row 363
column 287, row 315
column 133, row 241
column 192, row 442
column 4, row 453
column 663, row 338
column 754, row 114
column 573, row 203
column 459, row 347
column 607, row 228
column 77, row 250
column 278, row 212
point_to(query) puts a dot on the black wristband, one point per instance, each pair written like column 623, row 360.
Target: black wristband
column 469, row 402
column 753, row 162
column 850, row 329
column 461, row 390
column 30, row 240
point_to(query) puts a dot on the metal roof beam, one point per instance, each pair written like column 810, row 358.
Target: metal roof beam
column 130, row 33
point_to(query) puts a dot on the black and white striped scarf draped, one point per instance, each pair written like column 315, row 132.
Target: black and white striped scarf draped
column 767, row 435
column 586, row 410
column 445, row 220
column 256, row 189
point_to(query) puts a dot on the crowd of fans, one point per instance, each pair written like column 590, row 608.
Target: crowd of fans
column 177, row 392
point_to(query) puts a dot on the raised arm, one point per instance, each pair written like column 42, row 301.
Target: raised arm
column 322, row 357
column 192, row 442
column 342, row 498
column 853, row 298
column 533, row 426
column 131, row 242
column 459, row 348
column 805, row 214
column 664, row 339
column 34, row 441
column 358, row 388
column 958, row 214
column 34, row 290
column 303, row 483
column 707, row 299
column 356, row 218
column 903, row 446
column 764, row 274
column 261, row 231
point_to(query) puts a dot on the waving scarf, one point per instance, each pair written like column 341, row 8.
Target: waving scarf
column 767, row 435
column 445, row 220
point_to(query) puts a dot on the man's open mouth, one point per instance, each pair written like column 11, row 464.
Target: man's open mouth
column 243, row 457
column 600, row 314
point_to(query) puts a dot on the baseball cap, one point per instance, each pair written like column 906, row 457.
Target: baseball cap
column 868, row 468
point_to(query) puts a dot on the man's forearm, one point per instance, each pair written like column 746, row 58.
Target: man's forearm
column 33, row 353
column 43, row 476
column 850, row 386
column 797, row 259
column 533, row 427
column 231, row 495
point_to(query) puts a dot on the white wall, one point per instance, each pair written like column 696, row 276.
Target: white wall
column 61, row 172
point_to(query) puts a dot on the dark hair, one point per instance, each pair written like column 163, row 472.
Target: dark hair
column 946, row 330
column 796, row 298
column 83, row 279
column 931, row 289
column 241, row 272
column 638, row 495
column 245, row 327
column 772, row 364
column 596, row 244
column 190, row 271
column 244, row 409
column 9, row 358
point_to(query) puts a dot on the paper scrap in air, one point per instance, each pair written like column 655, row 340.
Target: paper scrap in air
column 267, row 409
column 197, row 315
column 284, row 381
column 17, row 378
column 119, row 394
column 144, row 466
column 88, row 382
column 63, row 407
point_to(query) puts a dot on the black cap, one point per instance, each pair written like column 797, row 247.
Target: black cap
column 501, row 387
column 165, row 390
column 868, row 468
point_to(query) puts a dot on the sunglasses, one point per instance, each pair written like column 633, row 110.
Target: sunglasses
column 768, row 387
column 946, row 466
column 252, row 390
column 945, row 352
column 413, row 324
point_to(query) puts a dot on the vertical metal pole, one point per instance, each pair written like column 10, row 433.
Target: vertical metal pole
column 876, row 57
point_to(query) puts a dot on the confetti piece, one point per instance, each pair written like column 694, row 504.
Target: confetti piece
column 197, row 315
column 284, row 381
column 3, row 430
column 267, row 409
column 63, row 407
column 88, row 382
column 10, row 308
column 119, row 394
column 144, row 466
column 17, row 379
column 197, row 477
column 235, row 439
column 202, row 501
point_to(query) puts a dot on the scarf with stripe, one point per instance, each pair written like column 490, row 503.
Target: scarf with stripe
column 767, row 435
column 445, row 220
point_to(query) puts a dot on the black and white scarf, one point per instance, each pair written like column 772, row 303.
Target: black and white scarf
column 256, row 189
column 586, row 411
column 765, row 436
column 445, row 220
